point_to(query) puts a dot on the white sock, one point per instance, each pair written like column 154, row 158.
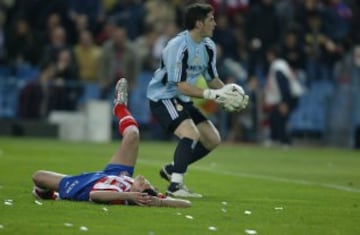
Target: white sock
column 177, row 178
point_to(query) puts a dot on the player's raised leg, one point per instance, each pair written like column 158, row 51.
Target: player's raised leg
column 127, row 152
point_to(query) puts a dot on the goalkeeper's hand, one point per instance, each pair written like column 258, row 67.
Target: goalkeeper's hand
column 220, row 96
column 236, row 105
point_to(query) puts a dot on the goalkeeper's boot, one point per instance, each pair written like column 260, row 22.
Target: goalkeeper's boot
column 121, row 93
column 180, row 190
column 165, row 174
column 45, row 194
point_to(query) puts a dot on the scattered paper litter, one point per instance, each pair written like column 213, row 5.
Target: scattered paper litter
column 105, row 209
column 223, row 210
column 247, row 212
column 1, row 226
column 179, row 213
column 68, row 224
column 250, row 231
column 8, row 202
column 189, row 217
column 212, row 228
column 224, row 203
column 38, row 202
column 83, row 228
column 279, row 208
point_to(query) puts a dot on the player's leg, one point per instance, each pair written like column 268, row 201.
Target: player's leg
column 208, row 140
column 46, row 184
column 126, row 154
column 174, row 118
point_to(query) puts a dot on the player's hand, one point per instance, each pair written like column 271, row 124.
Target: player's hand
column 220, row 96
column 141, row 199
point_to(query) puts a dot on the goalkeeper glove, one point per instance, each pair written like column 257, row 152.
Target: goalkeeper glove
column 218, row 95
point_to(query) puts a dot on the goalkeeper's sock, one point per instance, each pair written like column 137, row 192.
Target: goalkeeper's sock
column 176, row 181
column 199, row 152
column 182, row 155
column 125, row 118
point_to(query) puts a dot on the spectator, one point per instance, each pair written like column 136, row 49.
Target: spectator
column 92, row 10
column 118, row 60
column 52, row 22
column 106, row 29
column 131, row 14
column 224, row 36
column 2, row 37
column 282, row 91
column 292, row 50
column 262, row 31
column 170, row 30
column 87, row 56
column 338, row 20
column 34, row 97
column 321, row 52
column 144, row 47
column 57, row 43
column 22, row 45
column 65, row 87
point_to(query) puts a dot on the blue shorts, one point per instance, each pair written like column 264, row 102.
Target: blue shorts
column 78, row 187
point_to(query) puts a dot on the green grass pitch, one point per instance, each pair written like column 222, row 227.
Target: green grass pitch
column 247, row 190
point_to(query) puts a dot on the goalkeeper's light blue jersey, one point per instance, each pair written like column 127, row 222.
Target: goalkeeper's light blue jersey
column 182, row 60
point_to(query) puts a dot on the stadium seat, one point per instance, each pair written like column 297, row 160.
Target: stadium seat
column 91, row 91
column 9, row 91
column 5, row 71
column 26, row 72
column 138, row 101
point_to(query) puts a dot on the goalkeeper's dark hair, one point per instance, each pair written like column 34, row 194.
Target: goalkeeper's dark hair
column 195, row 12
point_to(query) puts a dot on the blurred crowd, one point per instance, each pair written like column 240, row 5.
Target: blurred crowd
column 67, row 51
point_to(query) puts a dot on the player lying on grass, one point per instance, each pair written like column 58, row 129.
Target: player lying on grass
column 113, row 185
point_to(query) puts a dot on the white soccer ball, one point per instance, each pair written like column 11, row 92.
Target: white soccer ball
column 237, row 99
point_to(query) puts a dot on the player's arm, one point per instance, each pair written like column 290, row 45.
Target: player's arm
column 104, row 196
column 215, row 83
column 194, row 91
column 190, row 90
column 169, row 202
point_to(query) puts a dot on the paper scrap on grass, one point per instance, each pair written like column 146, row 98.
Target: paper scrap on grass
column 189, row 217
column 1, row 226
column 247, row 212
column 179, row 213
column 212, row 228
column 68, row 224
column 83, row 228
column 279, row 208
column 105, row 209
column 250, row 231
column 223, row 210
column 38, row 202
column 224, row 203
column 8, row 202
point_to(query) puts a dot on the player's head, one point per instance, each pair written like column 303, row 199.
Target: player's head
column 200, row 16
column 140, row 184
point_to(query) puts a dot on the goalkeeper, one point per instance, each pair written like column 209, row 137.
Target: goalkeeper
column 187, row 56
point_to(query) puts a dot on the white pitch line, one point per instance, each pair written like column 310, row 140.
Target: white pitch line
column 263, row 177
